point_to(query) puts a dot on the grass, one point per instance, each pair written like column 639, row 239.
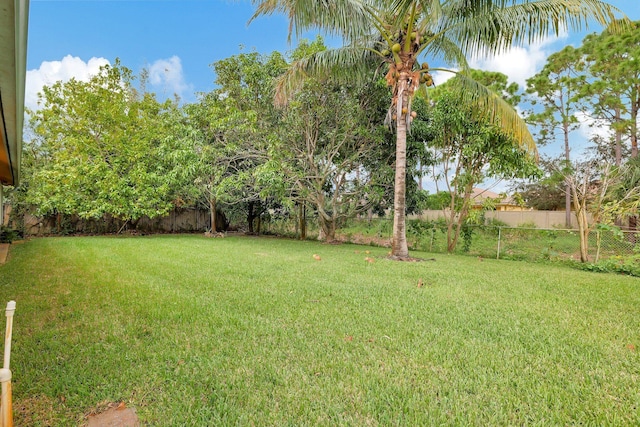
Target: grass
column 254, row 331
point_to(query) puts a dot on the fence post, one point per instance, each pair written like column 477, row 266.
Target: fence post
column 5, row 372
column 433, row 234
column 499, row 238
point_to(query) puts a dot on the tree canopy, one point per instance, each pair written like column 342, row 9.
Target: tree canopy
column 398, row 33
column 100, row 147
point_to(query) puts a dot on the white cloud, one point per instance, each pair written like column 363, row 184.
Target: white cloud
column 590, row 127
column 51, row 72
column 165, row 75
column 168, row 78
column 439, row 77
column 520, row 63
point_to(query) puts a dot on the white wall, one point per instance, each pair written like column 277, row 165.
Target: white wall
column 538, row 219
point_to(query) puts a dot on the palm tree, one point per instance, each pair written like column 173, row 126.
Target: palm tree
column 395, row 34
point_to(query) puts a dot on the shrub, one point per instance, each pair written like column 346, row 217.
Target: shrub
column 418, row 227
column 528, row 224
column 467, row 236
column 8, row 235
column 493, row 222
column 629, row 265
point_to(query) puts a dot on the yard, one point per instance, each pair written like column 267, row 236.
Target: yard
column 257, row 331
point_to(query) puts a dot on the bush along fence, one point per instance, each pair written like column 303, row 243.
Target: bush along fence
column 177, row 221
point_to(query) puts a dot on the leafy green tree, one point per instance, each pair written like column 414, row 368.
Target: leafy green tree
column 398, row 33
column 437, row 201
column 545, row 193
column 328, row 147
column 468, row 148
column 212, row 168
column 613, row 89
column 236, row 122
column 624, row 198
column 557, row 88
column 99, row 147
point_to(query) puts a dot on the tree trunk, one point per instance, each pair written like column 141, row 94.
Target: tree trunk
column 580, row 205
column 567, row 194
column 462, row 217
column 399, row 248
column 453, row 232
column 327, row 228
column 250, row 216
column 302, row 218
column 454, row 225
column 583, row 226
column 213, row 214
column 618, row 148
column 633, row 228
column 567, row 207
column 635, row 106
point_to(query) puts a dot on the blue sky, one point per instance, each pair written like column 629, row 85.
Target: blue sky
column 178, row 40
column 182, row 38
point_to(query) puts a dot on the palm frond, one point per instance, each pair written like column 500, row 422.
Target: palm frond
column 346, row 18
column 491, row 106
column 432, row 8
column 446, row 50
column 489, row 27
column 347, row 64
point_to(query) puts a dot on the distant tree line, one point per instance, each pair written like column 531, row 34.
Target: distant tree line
column 108, row 147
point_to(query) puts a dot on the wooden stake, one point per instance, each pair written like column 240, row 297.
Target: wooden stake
column 5, row 373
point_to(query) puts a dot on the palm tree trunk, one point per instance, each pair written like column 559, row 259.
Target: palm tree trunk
column 399, row 248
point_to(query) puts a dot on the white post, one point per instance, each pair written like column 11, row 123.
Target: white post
column 1, row 204
column 499, row 238
column 5, row 373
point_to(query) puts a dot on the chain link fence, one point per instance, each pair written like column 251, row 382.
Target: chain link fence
column 548, row 244
column 501, row 242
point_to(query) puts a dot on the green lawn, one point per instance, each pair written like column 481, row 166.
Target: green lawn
column 255, row 331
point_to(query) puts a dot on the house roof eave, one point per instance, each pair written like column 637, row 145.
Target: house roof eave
column 13, row 58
